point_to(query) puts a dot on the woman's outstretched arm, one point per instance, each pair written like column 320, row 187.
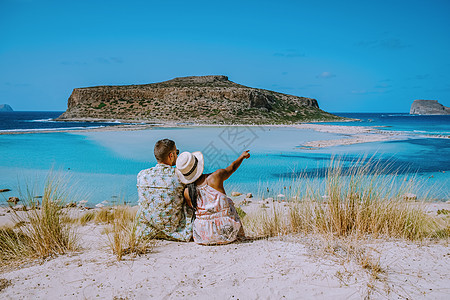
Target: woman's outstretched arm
column 218, row 177
column 224, row 174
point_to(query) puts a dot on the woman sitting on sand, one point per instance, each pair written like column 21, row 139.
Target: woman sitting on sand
column 216, row 220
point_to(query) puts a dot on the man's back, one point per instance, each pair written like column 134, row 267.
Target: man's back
column 162, row 209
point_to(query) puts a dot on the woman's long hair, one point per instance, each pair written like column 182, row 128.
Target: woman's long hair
column 192, row 189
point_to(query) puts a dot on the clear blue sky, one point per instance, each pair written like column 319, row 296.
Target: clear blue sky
column 352, row 56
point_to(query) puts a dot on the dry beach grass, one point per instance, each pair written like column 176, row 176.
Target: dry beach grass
column 353, row 201
column 39, row 232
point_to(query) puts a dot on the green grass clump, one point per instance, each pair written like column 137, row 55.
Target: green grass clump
column 100, row 106
column 241, row 212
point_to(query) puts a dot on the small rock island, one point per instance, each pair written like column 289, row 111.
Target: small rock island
column 196, row 99
column 5, row 108
column 428, row 107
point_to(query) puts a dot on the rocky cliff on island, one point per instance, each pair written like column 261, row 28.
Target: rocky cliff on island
column 195, row 99
column 5, row 107
column 428, row 107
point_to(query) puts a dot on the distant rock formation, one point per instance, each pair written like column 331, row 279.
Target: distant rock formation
column 196, row 99
column 428, row 107
column 5, row 107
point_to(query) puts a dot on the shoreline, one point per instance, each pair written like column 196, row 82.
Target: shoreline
column 350, row 134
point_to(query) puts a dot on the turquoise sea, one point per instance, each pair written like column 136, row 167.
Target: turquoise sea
column 103, row 165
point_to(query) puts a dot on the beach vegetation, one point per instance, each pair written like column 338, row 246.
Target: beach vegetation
column 344, row 212
column 363, row 198
column 123, row 234
column 86, row 217
column 443, row 211
column 41, row 231
column 241, row 212
column 13, row 244
column 350, row 251
column 104, row 215
column 120, row 227
column 4, row 283
column 101, row 105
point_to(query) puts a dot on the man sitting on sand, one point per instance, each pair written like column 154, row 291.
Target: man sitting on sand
column 162, row 209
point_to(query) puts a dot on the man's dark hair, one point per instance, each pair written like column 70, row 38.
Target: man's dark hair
column 163, row 148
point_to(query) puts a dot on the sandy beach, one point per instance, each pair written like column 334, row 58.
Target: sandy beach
column 357, row 135
column 291, row 267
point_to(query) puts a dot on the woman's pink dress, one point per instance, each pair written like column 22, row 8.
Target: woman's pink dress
column 217, row 221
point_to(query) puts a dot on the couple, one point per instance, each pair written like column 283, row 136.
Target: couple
column 181, row 203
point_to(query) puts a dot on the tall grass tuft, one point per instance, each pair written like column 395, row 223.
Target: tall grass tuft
column 43, row 231
column 123, row 235
column 105, row 215
column 13, row 244
column 86, row 217
column 363, row 198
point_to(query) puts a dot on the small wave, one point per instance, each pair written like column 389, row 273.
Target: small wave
column 50, row 120
column 398, row 115
column 442, row 133
column 151, row 124
column 50, row 129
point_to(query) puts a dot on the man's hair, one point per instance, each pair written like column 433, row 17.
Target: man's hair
column 163, row 148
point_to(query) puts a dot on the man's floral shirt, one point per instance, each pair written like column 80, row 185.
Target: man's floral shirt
column 163, row 213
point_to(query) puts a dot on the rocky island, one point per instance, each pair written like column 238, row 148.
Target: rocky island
column 428, row 107
column 194, row 99
column 5, row 107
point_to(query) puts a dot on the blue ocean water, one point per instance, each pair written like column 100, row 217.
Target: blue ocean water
column 434, row 125
column 17, row 121
column 103, row 165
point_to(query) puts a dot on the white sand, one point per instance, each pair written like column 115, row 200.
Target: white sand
column 357, row 135
column 291, row 267
column 350, row 135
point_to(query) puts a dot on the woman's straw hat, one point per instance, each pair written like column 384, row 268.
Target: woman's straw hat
column 189, row 166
